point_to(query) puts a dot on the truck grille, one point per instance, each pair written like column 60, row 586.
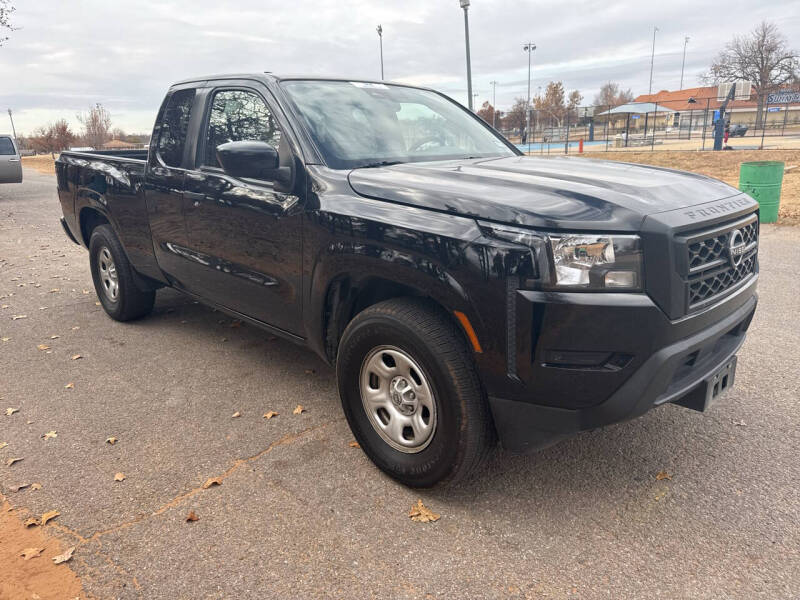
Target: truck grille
column 720, row 260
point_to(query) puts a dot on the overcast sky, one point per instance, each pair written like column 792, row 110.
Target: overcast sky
column 67, row 55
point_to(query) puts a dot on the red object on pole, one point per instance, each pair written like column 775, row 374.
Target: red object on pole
column 580, row 146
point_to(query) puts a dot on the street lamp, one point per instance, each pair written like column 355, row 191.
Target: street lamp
column 529, row 47
column 13, row 130
column 683, row 62
column 465, row 6
column 652, row 57
column 494, row 101
column 379, row 29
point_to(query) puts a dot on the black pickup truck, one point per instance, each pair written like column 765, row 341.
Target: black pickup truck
column 462, row 291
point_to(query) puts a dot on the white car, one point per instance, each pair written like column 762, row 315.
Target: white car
column 10, row 164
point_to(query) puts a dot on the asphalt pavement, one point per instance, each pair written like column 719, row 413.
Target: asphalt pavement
column 302, row 514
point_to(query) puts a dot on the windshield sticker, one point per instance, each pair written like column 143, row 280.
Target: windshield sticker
column 364, row 84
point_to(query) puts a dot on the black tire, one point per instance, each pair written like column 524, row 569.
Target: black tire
column 129, row 302
column 463, row 433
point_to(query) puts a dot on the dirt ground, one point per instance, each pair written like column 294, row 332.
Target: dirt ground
column 725, row 166
column 37, row 576
column 42, row 163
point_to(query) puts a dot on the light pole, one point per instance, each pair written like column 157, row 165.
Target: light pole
column 529, row 48
column 494, row 102
column 13, row 130
column 465, row 6
column 683, row 62
column 379, row 29
column 652, row 57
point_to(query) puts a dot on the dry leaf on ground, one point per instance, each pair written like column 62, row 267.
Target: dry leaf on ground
column 54, row 337
column 31, row 522
column 52, row 514
column 69, row 386
column 236, row 415
column 30, row 553
column 75, row 357
column 119, row 477
column 192, row 516
column 10, row 411
column 212, row 481
column 36, row 486
column 62, row 558
column 111, row 440
column 3, row 445
column 354, row 444
column 43, row 347
column 421, row 514
column 11, row 461
column 21, row 486
column 300, row 409
column 270, row 414
column 49, row 435
column 663, row 475
column 5, row 339
column 15, row 317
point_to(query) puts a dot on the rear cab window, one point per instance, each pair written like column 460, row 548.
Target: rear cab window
column 174, row 127
column 7, row 147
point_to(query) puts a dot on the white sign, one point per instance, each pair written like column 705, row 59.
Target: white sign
column 783, row 98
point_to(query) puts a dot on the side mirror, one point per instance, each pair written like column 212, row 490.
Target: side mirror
column 251, row 159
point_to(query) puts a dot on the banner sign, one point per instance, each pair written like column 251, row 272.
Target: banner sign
column 783, row 98
column 774, row 109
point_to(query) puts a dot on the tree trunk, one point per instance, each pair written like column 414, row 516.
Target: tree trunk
column 759, row 111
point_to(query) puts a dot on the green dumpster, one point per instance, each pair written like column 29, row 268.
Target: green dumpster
column 762, row 180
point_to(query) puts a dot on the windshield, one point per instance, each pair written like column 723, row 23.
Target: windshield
column 357, row 124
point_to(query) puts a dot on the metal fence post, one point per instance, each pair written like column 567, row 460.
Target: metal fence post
column 608, row 119
column 705, row 121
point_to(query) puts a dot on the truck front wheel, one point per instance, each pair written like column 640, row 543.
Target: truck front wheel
column 411, row 394
column 114, row 279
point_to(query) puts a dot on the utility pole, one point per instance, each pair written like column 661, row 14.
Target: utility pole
column 529, row 47
column 683, row 62
column 379, row 29
column 465, row 6
column 13, row 131
column 652, row 57
column 494, row 102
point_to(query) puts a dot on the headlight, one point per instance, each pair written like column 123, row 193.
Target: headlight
column 588, row 261
column 573, row 261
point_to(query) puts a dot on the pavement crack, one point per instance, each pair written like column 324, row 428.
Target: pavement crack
column 177, row 500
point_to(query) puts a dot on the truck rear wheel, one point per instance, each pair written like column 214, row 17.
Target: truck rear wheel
column 411, row 394
column 114, row 279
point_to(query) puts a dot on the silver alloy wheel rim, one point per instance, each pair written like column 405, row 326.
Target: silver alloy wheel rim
column 398, row 399
column 108, row 274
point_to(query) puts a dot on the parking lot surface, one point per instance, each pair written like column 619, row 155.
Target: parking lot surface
column 676, row 504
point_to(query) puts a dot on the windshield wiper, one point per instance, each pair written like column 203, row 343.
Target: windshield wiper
column 382, row 163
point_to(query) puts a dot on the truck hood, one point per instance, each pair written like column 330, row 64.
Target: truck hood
column 557, row 192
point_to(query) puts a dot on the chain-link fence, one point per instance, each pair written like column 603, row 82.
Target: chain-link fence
column 768, row 121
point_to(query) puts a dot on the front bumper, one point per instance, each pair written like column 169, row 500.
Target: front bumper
column 649, row 361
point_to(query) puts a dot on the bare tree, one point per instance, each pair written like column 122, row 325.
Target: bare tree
column 53, row 138
column 762, row 57
column 96, row 126
column 515, row 118
column 611, row 95
column 488, row 113
column 6, row 8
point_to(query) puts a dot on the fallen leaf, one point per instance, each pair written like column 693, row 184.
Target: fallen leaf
column 11, row 461
column 192, row 516
column 54, row 290
column 62, row 558
column 36, row 486
column 270, row 414
column 4, row 306
column 299, row 409
column 119, row 477
column 16, row 317
column 75, row 357
column 30, row 553
column 3, row 445
column 212, row 481
column 31, row 522
column 69, row 386
column 52, row 514
column 111, row 440
column 663, row 475
column 75, row 328
column 236, row 415
column 739, row 423
column 43, row 347
column 10, row 411
column 49, row 435
column 97, row 304
column 54, row 337
column 5, row 339
column 354, row 444
column 421, row 514
column 19, row 487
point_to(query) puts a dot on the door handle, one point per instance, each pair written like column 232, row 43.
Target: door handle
column 13, row 160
